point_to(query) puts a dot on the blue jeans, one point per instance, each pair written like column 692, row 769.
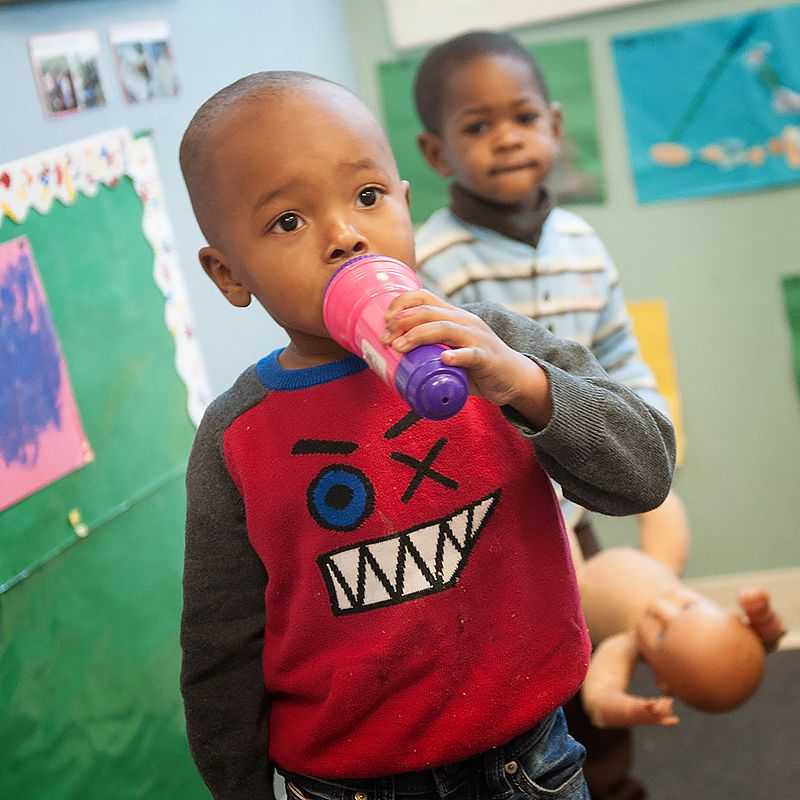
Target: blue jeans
column 542, row 764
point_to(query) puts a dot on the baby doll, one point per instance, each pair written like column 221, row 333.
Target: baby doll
column 636, row 607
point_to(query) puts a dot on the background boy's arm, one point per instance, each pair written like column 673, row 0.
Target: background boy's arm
column 222, row 630
column 608, row 449
column 664, row 531
column 615, row 347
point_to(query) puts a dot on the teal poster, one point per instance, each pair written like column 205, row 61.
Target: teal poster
column 713, row 107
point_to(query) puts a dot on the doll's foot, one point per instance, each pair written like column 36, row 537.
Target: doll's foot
column 761, row 617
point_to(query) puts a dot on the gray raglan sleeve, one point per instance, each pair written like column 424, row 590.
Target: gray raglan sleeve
column 610, row 451
column 222, row 630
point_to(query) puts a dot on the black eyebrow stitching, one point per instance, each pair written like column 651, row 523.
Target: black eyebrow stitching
column 403, row 425
column 306, row 447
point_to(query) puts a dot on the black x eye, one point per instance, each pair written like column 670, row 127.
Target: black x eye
column 340, row 498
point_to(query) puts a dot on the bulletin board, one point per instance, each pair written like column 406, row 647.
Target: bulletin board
column 90, row 565
column 578, row 173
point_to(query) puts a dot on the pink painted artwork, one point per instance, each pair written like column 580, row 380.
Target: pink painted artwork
column 41, row 435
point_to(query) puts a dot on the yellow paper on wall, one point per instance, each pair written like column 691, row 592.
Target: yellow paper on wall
column 651, row 328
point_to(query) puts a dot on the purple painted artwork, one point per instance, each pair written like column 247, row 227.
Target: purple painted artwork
column 41, row 435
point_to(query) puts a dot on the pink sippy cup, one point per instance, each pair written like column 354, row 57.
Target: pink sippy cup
column 353, row 308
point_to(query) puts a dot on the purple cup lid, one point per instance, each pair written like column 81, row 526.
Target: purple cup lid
column 433, row 389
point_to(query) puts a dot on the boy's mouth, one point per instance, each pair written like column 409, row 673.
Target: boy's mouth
column 416, row 562
column 505, row 169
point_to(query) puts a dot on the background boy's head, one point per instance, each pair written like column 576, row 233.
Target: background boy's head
column 488, row 119
column 289, row 176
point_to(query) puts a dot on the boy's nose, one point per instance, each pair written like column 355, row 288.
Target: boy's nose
column 345, row 243
column 508, row 137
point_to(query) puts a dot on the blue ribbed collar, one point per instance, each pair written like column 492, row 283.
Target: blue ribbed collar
column 276, row 378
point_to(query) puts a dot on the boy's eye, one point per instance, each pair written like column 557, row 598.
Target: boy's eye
column 527, row 118
column 369, row 196
column 476, row 128
column 287, row 223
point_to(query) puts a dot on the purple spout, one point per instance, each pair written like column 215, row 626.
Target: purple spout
column 433, row 389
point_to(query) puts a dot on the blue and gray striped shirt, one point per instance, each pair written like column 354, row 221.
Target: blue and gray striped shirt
column 568, row 283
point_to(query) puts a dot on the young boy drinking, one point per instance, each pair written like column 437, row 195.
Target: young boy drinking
column 379, row 605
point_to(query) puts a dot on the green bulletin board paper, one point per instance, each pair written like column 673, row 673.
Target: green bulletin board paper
column 791, row 297
column 89, row 656
column 96, row 267
column 578, row 177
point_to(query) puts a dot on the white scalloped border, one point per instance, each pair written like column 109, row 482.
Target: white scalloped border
column 59, row 174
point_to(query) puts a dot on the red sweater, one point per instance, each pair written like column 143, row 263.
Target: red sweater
column 420, row 603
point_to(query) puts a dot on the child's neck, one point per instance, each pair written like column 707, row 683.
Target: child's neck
column 310, row 351
column 521, row 221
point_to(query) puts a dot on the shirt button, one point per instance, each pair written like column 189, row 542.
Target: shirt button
column 511, row 768
column 359, row 796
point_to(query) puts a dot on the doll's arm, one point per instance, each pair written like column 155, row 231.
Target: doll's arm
column 605, row 691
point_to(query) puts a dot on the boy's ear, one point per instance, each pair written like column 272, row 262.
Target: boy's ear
column 407, row 192
column 430, row 146
column 212, row 261
column 557, row 120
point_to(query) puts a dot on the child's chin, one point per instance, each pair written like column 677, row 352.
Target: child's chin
column 513, row 192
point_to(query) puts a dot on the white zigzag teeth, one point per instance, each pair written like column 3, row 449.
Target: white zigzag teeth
column 407, row 564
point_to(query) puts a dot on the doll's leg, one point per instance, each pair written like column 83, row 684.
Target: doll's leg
column 761, row 617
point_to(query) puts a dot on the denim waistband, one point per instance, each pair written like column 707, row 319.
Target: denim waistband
column 445, row 778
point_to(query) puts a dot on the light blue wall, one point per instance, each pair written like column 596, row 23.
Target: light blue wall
column 215, row 42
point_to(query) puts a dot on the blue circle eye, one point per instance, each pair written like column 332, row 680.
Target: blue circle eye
column 340, row 498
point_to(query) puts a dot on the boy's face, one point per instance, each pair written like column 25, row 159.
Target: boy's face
column 499, row 137
column 303, row 182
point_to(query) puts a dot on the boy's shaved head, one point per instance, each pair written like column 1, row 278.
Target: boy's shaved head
column 199, row 141
column 290, row 175
column 430, row 84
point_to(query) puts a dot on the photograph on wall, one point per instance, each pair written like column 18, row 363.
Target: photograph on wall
column 41, row 434
column 577, row 175
column 65, row 66
column 713, row 107
column 144, row 60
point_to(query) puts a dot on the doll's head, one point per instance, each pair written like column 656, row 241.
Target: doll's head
column 701, row 654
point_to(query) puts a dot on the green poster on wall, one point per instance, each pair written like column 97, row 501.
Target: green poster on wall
column 578, row 174
column 90, row 564
column 791, row 298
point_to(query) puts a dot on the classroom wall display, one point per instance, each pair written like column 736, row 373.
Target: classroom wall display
column 90, row 564
column 90, row 256
column 577, row 175
column 448, row 18
column 145, row 62
column 83, row 168
column 41, row 434
column 713, row 107
column 66, row 71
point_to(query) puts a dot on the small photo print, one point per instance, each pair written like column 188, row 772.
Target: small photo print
column 66, row 71
column 144, row 60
